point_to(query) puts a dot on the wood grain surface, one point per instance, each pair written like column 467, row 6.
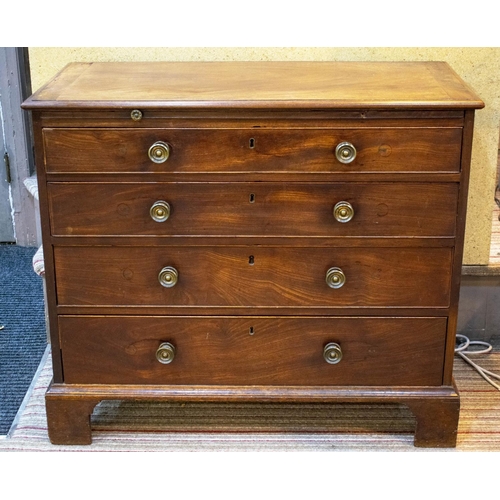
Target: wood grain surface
column 250, row 351
column 253, row 276
column 257, row 84
column 253, row 208
column 252, row 150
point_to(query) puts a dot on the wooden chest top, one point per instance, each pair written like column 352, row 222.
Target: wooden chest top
column 272, row 85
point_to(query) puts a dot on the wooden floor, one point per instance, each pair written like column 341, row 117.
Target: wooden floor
column 495, row 225
column 495, row 236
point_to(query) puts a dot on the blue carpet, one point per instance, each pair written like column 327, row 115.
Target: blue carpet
column 23, row 336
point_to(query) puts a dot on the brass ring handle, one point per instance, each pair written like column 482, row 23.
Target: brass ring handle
column 335, row 277
column 165, row 354
column 159, row 152
column 343, row 211
column 160, row 211
column 345, row 152
column 332, row 353
column 168, row 277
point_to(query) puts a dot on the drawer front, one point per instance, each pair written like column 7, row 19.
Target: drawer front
column 253, row 276
column 252, row 351
column 253, row 209
column 252, row 150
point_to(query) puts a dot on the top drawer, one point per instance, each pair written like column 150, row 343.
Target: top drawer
column 249, row 150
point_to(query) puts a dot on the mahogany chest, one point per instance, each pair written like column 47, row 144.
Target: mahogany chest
column 276, row 231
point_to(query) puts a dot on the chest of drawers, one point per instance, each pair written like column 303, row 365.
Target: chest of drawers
column 253, row 232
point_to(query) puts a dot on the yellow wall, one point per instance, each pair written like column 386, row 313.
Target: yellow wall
column 479, row 67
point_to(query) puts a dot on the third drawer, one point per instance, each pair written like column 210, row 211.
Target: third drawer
column 253, row 276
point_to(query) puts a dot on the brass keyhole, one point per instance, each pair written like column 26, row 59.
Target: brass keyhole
column 251, row 260
column 251, row 143
column 252, row 198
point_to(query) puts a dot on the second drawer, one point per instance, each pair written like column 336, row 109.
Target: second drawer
column 253, row 209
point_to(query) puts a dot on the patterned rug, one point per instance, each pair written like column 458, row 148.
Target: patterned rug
column 136, row 426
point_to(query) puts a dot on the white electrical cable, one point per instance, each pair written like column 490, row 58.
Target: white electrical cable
column 461, row 350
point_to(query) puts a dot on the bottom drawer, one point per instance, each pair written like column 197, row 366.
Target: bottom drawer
column 252, row 350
